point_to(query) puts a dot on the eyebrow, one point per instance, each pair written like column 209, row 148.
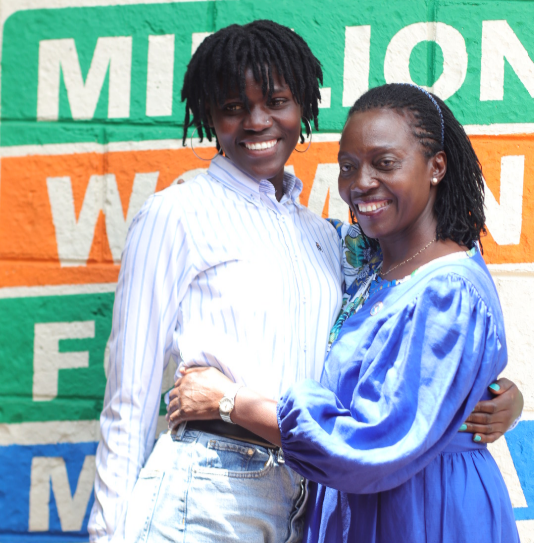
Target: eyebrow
column 375, row 150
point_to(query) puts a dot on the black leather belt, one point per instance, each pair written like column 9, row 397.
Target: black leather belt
column 232, row 431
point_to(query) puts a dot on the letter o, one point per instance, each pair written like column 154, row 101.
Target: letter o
column 452, row 43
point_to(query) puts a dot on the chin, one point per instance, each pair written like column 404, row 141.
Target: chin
column 266, row 171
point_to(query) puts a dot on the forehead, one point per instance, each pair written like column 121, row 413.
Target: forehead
column 378, row 128
column 253, row 86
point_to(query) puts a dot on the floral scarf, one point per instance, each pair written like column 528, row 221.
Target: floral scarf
column 361, row 265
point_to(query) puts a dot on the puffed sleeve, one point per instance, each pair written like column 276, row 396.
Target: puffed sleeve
column 415, row 378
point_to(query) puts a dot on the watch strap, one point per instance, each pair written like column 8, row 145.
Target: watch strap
column 229, row 395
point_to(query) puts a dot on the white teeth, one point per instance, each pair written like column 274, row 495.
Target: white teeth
column 260, row 146
column 367, row 208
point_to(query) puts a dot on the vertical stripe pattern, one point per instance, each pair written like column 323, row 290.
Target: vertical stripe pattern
column 215, row 272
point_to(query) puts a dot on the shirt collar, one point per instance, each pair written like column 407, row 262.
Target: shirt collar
column 225, row 171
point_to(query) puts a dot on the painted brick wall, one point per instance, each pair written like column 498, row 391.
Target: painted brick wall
column 91, row 125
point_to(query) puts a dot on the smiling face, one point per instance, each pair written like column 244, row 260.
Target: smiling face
column 259, row 139
column 386, row 178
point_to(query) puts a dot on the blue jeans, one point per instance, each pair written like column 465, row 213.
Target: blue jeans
column 203, row 488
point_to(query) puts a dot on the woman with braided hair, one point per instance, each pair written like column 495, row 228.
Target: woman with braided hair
column 227, row 271
column 418, row 343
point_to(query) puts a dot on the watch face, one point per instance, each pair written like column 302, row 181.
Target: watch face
column 226, row 405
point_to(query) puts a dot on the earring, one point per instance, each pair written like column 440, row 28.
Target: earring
column 310, row 130
column 434, row 181
column 219, row 152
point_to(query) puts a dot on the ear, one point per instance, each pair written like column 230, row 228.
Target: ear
column 438, row 167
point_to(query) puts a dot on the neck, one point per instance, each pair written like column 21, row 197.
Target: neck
column 410, row 256
column 410, row 248
column 278, row 183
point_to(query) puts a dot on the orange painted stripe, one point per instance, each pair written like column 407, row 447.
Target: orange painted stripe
column 28, row 248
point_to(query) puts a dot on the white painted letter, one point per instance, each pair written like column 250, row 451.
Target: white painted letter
column 160, row 75
column 356, row 63
column 499, row 42
column 500, row 451
column 325, row 182
column 452, row 43
column 61, row 55
column 197, row 39
column 70, row 509
column 75, row 237
column 326, row 97
column 47, row 360
column 504, row 220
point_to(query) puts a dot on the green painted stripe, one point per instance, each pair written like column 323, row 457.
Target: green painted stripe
column 326, row 35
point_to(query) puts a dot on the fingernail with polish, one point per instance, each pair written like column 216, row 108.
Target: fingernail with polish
column 495, row 387
column 463, row 428
column 477, row 439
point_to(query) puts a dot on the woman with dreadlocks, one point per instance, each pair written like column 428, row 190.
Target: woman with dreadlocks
column 227, row 270
column 418, row 342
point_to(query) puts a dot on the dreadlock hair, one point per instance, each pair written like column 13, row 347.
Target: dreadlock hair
column 219, row 64
column 459, row 205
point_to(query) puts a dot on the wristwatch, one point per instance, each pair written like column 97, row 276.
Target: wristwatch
column 226, row 405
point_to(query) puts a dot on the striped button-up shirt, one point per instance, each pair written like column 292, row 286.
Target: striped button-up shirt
column 214, row 272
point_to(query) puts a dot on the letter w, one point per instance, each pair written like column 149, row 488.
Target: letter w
column 61, row 55
column 75, row 237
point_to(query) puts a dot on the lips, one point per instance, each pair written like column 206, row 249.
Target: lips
column 372, row 207
column 259, row 145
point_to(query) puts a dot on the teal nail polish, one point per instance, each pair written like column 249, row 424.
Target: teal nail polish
column 463, row 428
column 495, row 387
column 477, row 439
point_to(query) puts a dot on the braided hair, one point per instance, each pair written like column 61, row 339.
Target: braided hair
column 459, row 205
column 220, row 62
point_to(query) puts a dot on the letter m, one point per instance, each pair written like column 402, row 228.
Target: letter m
column 56, row 56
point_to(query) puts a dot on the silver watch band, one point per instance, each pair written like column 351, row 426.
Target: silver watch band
column 226, row 405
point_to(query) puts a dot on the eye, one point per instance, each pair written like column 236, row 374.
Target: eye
column 278, row 101
column 386, row 163
column 345, row 167
column 233, row 107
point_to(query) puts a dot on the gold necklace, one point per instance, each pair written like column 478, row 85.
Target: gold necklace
column 411, row 258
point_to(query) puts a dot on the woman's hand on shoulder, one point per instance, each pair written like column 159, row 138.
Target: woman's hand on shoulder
column 492, row 418
column 196, row 395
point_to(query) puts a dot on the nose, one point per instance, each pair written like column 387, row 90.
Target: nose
column 363, row 180
column 257, row 119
